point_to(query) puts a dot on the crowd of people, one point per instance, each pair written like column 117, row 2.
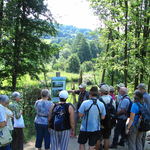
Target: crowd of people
column 56, row 122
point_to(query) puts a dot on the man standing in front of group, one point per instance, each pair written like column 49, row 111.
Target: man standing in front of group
column 83, row 95
column 146, row 96
column 122, row 118
column 90, row 127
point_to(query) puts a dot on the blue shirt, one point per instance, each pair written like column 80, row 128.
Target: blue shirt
column 93, row 123
column 135, row 109
column 147, row 99
column 2, row 114
column 42, row 108
column 124, row 103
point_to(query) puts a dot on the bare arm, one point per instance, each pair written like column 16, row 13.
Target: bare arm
column 80, row 115
column 102, row 117
column 2, row 124
column 121, row 112
column 132, row 116
column 72, row 123
column 50, row 115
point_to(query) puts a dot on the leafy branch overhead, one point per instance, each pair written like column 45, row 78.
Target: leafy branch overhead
column 23, row 23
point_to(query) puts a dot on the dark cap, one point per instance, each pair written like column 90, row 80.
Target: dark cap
column 94, row 90
column 102, row 84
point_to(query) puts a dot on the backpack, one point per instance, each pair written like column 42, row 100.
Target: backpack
column 111, row 115
column 127, row 112
column 144, row 119
column 87, row 111
column 59, row 121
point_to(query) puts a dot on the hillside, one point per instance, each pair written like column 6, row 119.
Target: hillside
column 68, row 33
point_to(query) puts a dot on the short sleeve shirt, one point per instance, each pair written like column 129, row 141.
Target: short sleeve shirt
column 42, row 108
column 135, row 110
column 124, row 103
column 2, row 114
column 93, row 123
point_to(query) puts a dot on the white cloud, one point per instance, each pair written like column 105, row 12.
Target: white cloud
column 73, row 12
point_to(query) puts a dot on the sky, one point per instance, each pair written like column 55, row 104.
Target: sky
column 73, row 12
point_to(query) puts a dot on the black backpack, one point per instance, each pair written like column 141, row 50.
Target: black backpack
column 144, row 119
column 111, row 115
column 58, row 121
column 87, row 111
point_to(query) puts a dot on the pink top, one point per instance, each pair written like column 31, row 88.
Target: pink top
column 112, row 95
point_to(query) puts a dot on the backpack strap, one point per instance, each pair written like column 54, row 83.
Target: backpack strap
column 87, row 111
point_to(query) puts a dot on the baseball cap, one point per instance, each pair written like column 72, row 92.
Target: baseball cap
column 63, row 94
column 102, row 84
column 141, row 86
column 120, row 85
column 82, row 85
column 105, row 89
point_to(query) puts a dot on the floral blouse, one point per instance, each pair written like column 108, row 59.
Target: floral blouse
column 42, row 108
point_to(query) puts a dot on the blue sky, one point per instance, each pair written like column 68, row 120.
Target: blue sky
column 73, row 12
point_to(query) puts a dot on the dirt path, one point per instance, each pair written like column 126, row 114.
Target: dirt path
column 73, row 145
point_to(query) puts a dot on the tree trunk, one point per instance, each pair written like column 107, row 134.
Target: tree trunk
column 145, row 38
column 148, row 86
column 104, row 70
column 125, row 48
column 18, row 41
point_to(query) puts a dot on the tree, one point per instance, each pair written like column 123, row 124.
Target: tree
column 76, row 42
column 73, row 64
column 22, row 50
column 84, row 52
column 93, row 49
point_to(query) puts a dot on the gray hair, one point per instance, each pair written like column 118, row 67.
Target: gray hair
column 15, row 95
column 45, row 93
column 4, row 98
column 124, row 89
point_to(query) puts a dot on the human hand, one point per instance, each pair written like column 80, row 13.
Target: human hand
column 127, row 131
column 72, row 134
column 21, row 112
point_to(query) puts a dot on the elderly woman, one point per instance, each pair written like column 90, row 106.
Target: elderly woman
column 18, row 136
column 42, row 108
column 5, row 116
column 135, row 137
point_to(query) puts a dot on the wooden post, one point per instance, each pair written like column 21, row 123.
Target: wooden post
column 57, row 74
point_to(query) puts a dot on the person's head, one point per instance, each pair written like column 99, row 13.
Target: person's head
column 112, row 89
column 4, row 100
column 138, row 96
column 119, row 86
column 123, row 90
column 45, row 93
column 82, row 87
column 104, row 89
column 16, row 96
column 101, row 84
column 93, row 91
column 142, row 87
column 63, row 95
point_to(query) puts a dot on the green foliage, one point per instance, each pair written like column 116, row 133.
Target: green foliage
column 73, row 64
column 84, row 52
column 22, row 50
column 87, row 66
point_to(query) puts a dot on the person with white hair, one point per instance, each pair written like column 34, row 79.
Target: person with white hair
column 18, row 135
column 122, row 118
column 5, row 114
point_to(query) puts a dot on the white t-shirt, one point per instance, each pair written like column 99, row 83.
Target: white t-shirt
column 2, row 114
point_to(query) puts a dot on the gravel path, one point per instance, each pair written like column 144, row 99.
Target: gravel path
column 73, row 145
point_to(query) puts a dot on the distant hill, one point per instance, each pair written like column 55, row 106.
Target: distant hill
column 68, row 33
